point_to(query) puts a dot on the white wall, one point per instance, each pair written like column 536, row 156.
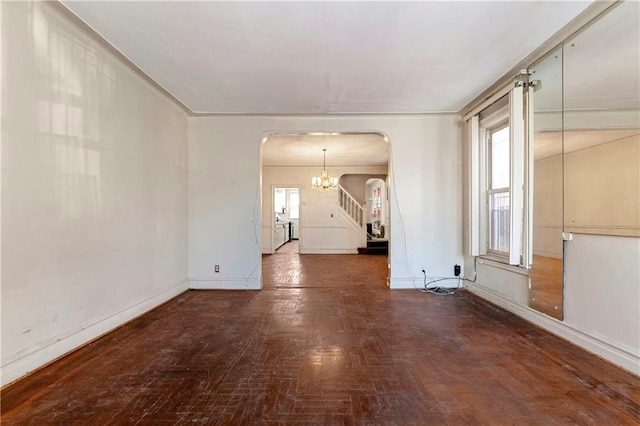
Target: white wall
column 356, row 185
column 602, row 291
column 94, row 189
column 322, row 228
column 225, row 188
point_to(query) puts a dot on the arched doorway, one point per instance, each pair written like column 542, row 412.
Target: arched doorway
column 327, row 224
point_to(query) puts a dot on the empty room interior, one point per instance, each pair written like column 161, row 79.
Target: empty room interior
column 320, row 212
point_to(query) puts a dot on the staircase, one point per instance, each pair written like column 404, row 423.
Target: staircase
column 375, row 247
column 350, row 206
column 355, row 212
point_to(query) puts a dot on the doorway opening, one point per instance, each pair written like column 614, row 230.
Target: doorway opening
column 377, row 214
column 286, row 211
column 344, row 218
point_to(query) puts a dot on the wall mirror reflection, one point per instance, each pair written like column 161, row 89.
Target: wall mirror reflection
column 602, row 126
column 585, row 157
column 545, row 168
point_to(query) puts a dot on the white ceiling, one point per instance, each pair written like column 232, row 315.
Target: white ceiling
column 343, row 149
column 326, row 57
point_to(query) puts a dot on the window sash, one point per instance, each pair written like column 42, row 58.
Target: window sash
column 279, row 200
column 498, row 231
column 490, row 158
column 498, row 212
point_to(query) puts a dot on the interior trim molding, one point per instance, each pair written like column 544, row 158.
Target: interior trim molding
column 415, row 283
column 327, row 251
column 214, row 283
column 320, row 114
column 61, row 7
column 403, row 283
column 486, row 260
column 622, row 357
column 36, row 357
column 614, row 231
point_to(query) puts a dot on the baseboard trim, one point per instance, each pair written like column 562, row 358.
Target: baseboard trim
column 328, row 251
column 211, row 283
column 396, row 283
column 622, row 357
column 418, row 282
column 18, row 365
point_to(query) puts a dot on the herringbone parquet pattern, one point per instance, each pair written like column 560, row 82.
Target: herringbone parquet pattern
column 326, row 343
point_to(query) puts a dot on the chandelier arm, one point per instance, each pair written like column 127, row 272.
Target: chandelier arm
column 324, row 181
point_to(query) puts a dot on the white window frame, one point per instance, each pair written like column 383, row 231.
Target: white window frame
column 516, row 202
column 294, row 207
column 491, row 191
column 513, row 116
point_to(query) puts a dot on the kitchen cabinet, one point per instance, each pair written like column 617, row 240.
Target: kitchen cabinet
column 283, row 233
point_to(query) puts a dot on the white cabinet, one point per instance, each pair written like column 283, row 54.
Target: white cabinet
column 282, row 234
column 279, row 236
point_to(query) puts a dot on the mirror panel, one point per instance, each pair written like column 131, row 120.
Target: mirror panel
column 585, row 175
column 602, row 125
column 545, row 103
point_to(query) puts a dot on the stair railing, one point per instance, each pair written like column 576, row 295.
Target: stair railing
column 353, row 209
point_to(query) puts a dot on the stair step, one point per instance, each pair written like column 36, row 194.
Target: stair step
column 373, row 250
column 377, row 243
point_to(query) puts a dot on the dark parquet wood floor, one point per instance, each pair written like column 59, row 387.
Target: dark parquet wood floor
column 326, row 343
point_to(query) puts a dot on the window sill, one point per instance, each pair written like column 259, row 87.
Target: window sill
column 502, row 263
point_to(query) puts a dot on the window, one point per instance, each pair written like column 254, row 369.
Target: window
column 497, row 177
column 294, row 205
column 498, row 190
column 279, row 200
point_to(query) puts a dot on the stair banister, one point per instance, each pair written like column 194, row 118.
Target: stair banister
column 352, row 207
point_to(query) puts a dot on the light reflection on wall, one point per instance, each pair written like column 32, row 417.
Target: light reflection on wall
column 95, row 194
column 74, row 84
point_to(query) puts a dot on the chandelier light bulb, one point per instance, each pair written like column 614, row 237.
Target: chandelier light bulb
column 324, row 181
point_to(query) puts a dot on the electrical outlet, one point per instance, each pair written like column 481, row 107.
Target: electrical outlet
column 456, row 270
column 216, row 268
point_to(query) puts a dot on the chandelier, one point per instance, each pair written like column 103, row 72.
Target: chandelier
column 324, row 181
